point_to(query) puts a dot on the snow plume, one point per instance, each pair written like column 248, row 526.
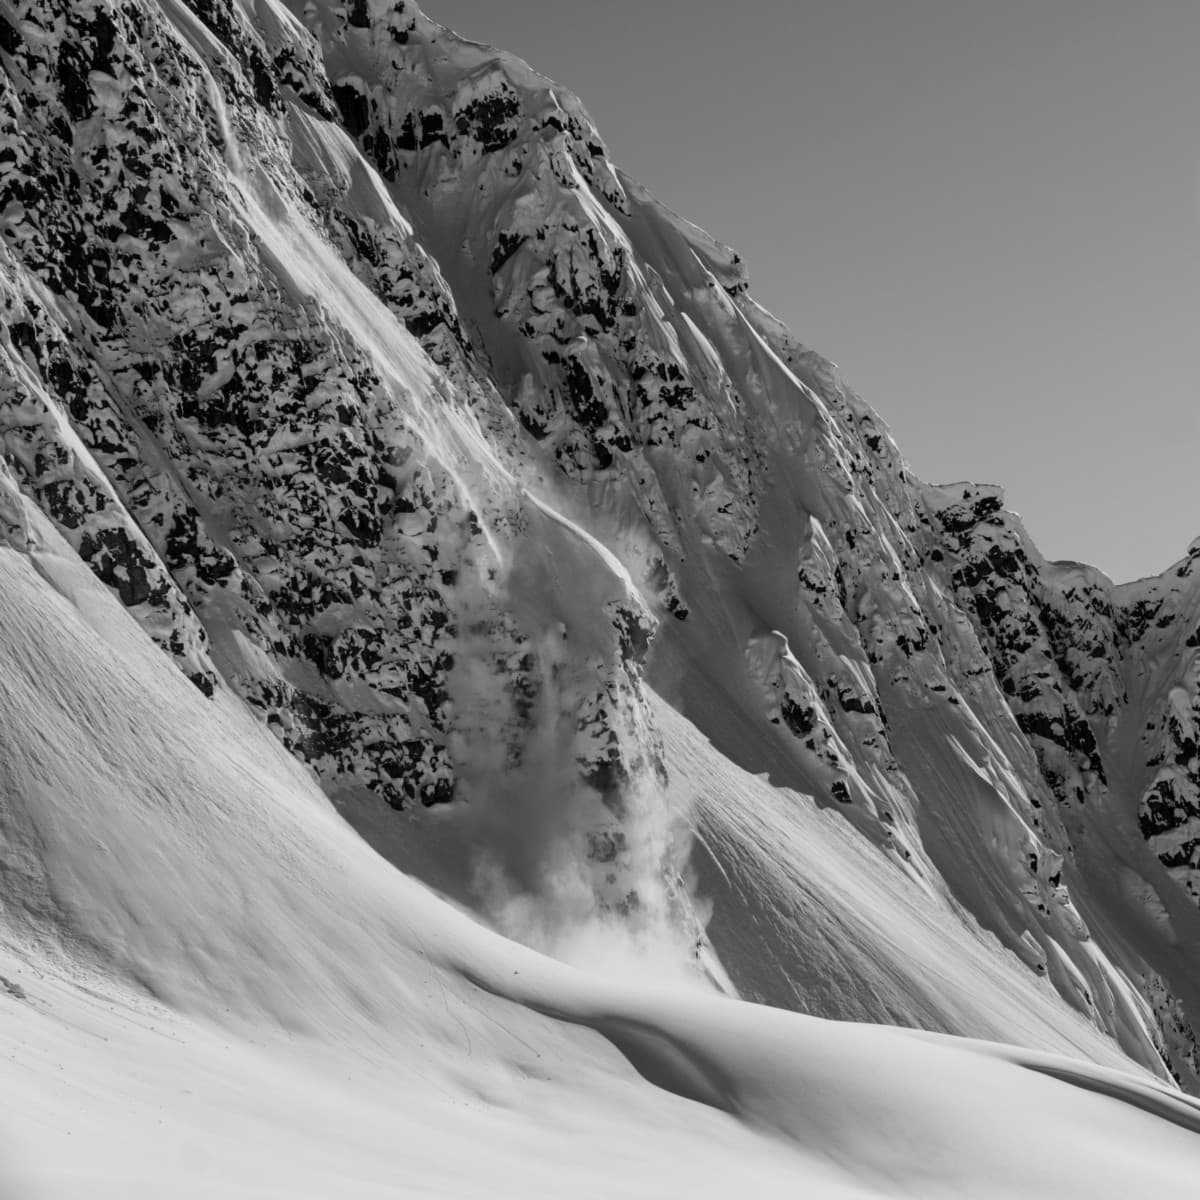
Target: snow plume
column 575, row 848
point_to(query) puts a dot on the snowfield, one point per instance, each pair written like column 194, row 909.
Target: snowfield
column 201, row 1006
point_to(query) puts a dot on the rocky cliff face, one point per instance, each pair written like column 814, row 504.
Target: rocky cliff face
column 339, row 349
column 239, row 384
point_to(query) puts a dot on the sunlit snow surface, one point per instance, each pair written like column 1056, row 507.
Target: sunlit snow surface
column 211, row 985
column 198, row 1005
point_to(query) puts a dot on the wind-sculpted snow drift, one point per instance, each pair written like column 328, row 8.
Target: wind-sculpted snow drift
column 414, row 433
column 213, row 987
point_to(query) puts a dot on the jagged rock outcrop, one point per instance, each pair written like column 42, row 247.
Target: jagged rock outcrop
column 283, row 487
column 341, row 351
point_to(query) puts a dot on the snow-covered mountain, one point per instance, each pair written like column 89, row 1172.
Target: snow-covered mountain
column 392, row 420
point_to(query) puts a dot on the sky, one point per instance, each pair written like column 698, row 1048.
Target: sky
column 986, row 212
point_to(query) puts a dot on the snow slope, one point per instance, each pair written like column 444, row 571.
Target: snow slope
column 213, row 987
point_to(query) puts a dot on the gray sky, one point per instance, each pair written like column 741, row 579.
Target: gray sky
column 987, row 212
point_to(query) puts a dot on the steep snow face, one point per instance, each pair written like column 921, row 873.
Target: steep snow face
column 340, row 351
column 240, row 387
column 211, row 986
